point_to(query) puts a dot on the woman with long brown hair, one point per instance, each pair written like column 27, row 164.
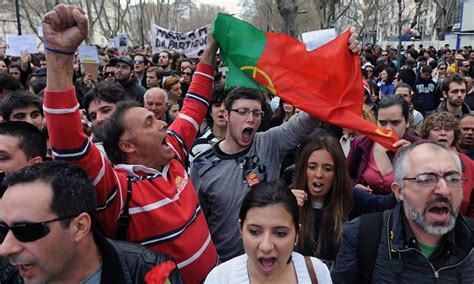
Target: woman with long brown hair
column 321, row 172
column 323, row 189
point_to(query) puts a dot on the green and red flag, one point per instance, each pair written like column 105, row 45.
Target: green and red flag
column 325, row 82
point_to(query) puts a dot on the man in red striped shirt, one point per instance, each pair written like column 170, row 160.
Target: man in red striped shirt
column 149, row 181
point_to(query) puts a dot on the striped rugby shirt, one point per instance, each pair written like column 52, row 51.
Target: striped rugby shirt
column 165, row 214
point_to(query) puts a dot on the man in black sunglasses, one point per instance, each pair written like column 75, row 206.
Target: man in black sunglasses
column 109, row 72
column 46, row 218
column 21, row 144
column 140, row 68
column 149, row 183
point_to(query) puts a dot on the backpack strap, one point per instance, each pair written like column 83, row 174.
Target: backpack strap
column 368, row 241
column 124, row 219
column 470, row 221
column 312, row 273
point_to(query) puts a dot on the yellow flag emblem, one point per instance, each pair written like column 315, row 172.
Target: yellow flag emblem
column 382, row 133
column 255, row 71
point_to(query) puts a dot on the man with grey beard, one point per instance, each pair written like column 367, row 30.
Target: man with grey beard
column 423, row 239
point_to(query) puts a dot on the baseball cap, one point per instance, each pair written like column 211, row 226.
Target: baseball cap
column 124, row 59
column 367, row 64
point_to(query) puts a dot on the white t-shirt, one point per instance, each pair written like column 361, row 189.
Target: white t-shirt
column 235, row 271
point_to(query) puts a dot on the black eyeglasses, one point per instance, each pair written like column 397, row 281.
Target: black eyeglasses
column 430, row 180
column 245, row 112
column 187, row 73
column 29, row 232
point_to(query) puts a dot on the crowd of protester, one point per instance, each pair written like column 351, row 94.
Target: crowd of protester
column 230, row 186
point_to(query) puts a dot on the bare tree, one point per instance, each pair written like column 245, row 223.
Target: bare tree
column 263, row 14
column 360, row 14
column 444, row 13
column 32, row 12
column 330, row 11
column 112, row 15
column 8, row 22
column 157, row 12
column 295, row 16
column 108, row 18
column 93, row 15
column 199, row 16
column 288, row 10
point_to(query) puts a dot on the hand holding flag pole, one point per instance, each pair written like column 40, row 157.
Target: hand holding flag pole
column 209, row 55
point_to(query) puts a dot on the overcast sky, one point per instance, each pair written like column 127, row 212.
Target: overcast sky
column 230, row 5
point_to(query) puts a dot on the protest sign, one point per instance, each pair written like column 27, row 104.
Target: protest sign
column 111, row 43
column 16, row 44
column 92, row 69
column 40, row 31
column 190, row 43
column 88, row 54
column 315, row 39
column 89, row 59
column 121, row 41
column 223, row 70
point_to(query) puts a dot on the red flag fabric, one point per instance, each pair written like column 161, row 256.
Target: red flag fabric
column 326, row 82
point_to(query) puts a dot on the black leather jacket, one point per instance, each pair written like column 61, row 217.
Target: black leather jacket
column 399, row 260
column 122, row 262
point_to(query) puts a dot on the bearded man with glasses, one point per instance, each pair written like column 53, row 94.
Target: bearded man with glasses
column 47, row 215
column 423, row 239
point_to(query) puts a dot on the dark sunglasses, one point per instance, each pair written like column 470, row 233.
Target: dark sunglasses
column 187, row 73
column 29, row 232
column 109, row 74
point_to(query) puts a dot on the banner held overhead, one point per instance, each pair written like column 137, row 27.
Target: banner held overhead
column 189, row 43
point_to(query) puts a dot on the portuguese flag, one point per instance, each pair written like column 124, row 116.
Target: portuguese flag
column 326, row 82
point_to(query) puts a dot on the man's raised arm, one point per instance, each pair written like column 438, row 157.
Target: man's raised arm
column 196, row 102
column 64, row 28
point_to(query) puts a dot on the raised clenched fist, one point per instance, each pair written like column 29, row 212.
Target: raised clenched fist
column 64, row 28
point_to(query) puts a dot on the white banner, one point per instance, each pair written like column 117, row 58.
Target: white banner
column 315, row 39
column 189, row 43
column 40, row 31
column 18, row 43
column 88, row 54
column 120, row 42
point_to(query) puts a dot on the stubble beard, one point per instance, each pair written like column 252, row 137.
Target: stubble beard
column 433, row 229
